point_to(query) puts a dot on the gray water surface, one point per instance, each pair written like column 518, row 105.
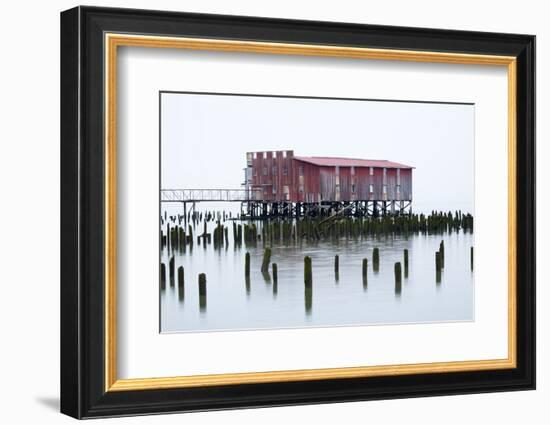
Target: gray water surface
column 235, row 304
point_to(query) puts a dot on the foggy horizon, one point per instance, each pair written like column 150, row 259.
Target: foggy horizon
column 205, row 138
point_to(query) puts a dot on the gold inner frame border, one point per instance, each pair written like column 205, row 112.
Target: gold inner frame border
column 113, row 40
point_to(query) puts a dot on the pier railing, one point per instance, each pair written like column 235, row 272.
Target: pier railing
column 212, row 195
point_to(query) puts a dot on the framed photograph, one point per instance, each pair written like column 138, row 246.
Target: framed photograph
column 261, row 212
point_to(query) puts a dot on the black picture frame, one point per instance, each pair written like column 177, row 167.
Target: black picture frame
column 83, row 392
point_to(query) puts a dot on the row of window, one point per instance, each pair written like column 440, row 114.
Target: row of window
column 384, row 189
column 274, row 171
column 301, row 172
column 371, row 189
column 255, row 155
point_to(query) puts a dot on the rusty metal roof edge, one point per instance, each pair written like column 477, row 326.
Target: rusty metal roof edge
column 317, row 160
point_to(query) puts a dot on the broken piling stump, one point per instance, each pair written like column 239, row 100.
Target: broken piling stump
column 247, row 264
column 163, row 276
column 266, row 260
column 181, row 283
column 406, row 262
column 308, row 278
column 202, row 291
column 274, row 272
column 437, row 267
column 364, row 272
column 172, row 270
column 375, row 259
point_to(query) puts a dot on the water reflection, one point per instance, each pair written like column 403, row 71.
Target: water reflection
column 397, row 288
column 308, row 296
column 247, row 284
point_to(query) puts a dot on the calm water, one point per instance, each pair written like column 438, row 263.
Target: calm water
column 233, row 303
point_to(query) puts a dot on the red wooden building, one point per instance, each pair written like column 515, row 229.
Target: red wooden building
column 280, row 178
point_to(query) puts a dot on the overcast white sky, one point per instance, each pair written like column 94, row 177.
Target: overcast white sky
column 204, row 139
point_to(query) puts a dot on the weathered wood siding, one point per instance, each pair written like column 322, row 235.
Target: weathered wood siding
column 272, row 173
column 281, row 177
column 406, row 184
column 306, row 182
column 357, row 184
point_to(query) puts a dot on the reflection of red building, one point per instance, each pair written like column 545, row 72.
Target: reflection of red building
column 282, row 177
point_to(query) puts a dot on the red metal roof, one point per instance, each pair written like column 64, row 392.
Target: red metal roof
column 323, row 161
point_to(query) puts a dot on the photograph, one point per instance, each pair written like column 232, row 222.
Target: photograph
column 279, row 212
column 286, row 209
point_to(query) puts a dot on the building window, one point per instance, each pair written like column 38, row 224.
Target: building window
column 274, row 189
column 371, row 171
column 264, row 171
column 285, row 171
column 286, row 192
column 371, row 188
column 301, row 170
column 384, row 171
column 274, row 170
column 353, row 188
column 385, row 189
column 301, row 189
column 398, row 190
column 398, row 176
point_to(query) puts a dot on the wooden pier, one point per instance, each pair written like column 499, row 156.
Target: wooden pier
column 253, row 206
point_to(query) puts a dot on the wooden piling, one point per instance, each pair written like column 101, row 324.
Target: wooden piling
column 442, row 254
column 406, row 262
column 162, row 275
column 172, row 270
column 202, row 291
column 308, row 275
column 266, row 260
column 202, row 284
column 247, row 264
column 364, row 273
column 183, row 239
column 375, row 259
column 397, row 272
column 471, row 258
column 181, row 283
column 437, row 267
column 274, row 272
